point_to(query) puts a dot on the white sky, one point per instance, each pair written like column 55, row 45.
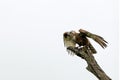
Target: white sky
column 31, row 42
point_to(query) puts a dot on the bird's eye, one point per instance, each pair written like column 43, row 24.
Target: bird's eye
column 65, row 35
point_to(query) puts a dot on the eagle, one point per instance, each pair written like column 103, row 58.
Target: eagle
column 72, row 38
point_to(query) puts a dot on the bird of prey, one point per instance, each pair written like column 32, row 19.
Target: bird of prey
column 72, row 38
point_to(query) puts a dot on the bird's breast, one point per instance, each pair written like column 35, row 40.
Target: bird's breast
column 69, row 43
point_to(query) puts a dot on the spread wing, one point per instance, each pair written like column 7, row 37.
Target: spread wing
column 100, row 40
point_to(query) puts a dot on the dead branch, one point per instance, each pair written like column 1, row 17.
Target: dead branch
column 92, row 67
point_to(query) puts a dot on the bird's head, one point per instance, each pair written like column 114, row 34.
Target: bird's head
column 66, row 35
column 69, row 35
column 69, row 38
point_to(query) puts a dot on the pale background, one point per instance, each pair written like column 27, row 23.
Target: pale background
column 31, row 42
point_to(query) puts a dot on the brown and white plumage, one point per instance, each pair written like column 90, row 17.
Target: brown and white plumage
column 68, row 40
column 72, row 38
column 100, row 40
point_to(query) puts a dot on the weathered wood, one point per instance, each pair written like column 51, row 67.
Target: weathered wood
column 93, row 66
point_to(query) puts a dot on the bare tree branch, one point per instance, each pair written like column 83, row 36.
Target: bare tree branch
column 92, row 67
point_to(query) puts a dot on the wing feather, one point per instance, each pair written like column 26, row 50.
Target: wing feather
column 100, row 40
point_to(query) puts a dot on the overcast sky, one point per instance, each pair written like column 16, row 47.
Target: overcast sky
column 31, row 38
